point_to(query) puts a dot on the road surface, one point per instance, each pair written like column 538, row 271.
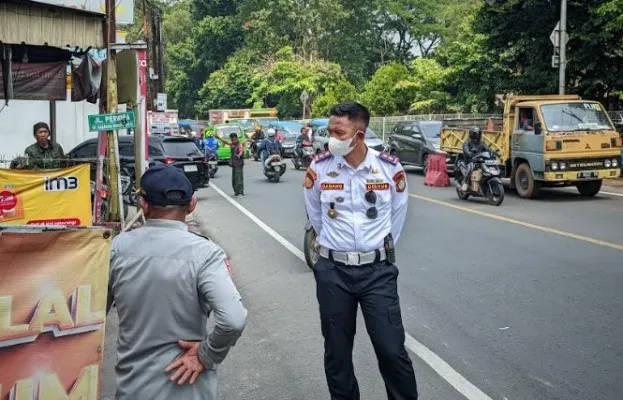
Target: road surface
column 521, row 301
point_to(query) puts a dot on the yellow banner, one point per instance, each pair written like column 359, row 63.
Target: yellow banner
column 52, row 197
column 53, row 288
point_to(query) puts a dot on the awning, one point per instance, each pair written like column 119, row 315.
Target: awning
column 45, row 25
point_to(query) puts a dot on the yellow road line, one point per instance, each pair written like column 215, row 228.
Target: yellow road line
column 522, row 223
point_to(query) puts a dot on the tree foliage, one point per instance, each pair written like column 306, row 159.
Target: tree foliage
column 396, row 56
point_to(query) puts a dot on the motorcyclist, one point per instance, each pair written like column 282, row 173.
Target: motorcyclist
column 210, row 144
column 303, row 137
column 257, row 136
column 472, row 146
column 270, row 146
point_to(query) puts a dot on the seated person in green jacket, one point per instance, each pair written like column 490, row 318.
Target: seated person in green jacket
column 43, row 154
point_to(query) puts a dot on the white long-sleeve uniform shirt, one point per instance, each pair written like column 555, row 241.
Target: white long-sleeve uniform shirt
column 331, row 181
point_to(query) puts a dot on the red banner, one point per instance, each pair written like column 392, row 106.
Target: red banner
column 41, row 81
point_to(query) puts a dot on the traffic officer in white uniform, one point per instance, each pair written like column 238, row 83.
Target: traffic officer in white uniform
column 356, row 199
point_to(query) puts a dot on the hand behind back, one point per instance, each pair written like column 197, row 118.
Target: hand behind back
column 188, row 366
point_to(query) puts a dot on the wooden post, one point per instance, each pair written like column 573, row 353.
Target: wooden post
column 111, row 102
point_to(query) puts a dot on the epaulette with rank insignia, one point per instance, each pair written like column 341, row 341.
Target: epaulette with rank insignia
column 325, row 155
column 385, row 156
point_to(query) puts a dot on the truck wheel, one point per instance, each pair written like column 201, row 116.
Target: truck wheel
column 525, row 184
column 589, row 189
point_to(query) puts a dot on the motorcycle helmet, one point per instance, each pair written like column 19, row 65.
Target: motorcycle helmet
column 475, row 134
column 258, row 128
column 271, row 132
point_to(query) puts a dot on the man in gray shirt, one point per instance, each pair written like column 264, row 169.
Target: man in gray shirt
column 165, row 281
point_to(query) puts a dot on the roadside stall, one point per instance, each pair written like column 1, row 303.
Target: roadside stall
column 34, row 53
column 54, row 268
column 59, row 35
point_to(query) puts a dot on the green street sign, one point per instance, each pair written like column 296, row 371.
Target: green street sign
column 112, row 122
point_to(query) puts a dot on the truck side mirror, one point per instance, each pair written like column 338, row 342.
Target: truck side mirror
column 538, row 127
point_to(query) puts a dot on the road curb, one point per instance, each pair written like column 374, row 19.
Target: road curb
column 614, row 183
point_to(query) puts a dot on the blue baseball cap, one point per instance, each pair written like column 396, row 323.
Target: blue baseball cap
column 160, row 181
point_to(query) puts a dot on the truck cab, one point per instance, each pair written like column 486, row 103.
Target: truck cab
column 549, row 141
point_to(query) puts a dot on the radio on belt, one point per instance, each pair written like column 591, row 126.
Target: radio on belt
column 390, row 254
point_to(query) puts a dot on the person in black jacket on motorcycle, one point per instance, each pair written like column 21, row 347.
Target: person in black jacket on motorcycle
column 303, row 137
column 258, row 134
column 472, row 146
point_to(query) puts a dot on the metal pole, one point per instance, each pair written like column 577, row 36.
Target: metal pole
column 562, row 47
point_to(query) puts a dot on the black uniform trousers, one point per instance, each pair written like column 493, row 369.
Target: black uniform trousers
column 340, row 289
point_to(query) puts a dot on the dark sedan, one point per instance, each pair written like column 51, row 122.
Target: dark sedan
column 178, row 151
column 413, row 141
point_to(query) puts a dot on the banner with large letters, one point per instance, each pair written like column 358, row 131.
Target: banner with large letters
column 46, row 197
column 53, row 285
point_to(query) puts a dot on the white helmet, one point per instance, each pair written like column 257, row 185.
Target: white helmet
column 271, row 132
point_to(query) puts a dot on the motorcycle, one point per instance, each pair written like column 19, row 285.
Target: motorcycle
column 127, row 191
column 212, row 160
column 104, row 205
column 274, row 168
column 128, row 188
column 307, row 149
column 485, row 179
column 310, row 247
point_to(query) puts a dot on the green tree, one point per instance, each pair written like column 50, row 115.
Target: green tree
column 280, row 81
column 462, row 52
column 229, row 87
column 521, row 59
column 380, row 94
column 425, row 88
column 304, row 25
column 335, row 92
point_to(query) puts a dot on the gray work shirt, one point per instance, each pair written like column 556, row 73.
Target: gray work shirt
column 165, row 281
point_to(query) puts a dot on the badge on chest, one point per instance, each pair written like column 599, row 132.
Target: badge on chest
column 331, row 186
column 376, row 184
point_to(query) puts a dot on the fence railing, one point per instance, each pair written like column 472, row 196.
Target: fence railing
column 383, row 126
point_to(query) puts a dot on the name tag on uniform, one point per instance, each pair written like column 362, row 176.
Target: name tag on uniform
column 377, row 186
column 331, row 186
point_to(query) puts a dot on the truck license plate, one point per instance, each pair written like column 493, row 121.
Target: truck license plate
column 591, row 174
column 190, row 168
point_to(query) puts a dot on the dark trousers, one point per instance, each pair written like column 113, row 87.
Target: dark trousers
column 237, row 179
column 340, row 289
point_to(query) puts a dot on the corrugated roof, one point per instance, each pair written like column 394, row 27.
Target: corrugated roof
column 45, row 25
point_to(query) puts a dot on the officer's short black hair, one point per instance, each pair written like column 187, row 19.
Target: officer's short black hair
column 355, row 112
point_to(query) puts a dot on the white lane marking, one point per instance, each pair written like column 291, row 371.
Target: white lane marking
column 449, row 374
column 292, row 248
column 462, row 385
column 611, row 193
